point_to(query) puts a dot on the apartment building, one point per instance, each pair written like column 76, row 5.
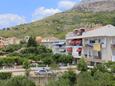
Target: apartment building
column 59, row 47
column 74, row 44
column 98, row 45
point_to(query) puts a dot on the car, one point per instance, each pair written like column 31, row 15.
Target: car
column 43, row 72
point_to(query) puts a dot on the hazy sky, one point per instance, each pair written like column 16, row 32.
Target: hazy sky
column 13, row 12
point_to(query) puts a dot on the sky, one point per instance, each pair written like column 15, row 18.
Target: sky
column 15, row 12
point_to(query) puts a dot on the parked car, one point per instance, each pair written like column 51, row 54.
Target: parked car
column 43, row 71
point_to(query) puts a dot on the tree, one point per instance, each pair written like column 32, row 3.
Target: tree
column 31, row 42
column 82, row 65
column 26, row 65
column 63, row 82
column 113, row 68
column 101, row 67
column 2, row 83
column 62, row 58
column 68, row 59
column 5, row 76
column 47, row 60
column 60, row 82
column 11, row 48
column 56, row 57
column 85, row 79
column 111, row 65
column 19, row 81
column 113, row 21
column 67, row 79
column 103, row 79
column 71, row 76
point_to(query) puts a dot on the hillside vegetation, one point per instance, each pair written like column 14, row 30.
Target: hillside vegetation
column 60, row 24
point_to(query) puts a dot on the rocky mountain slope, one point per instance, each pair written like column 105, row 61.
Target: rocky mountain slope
column 96, row 5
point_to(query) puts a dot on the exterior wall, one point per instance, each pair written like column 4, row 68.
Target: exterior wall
column 106, row 51
column 57, row 49
column 73, row 44
column 55, row 46
column 74, row 47
column 113, row 48
column 76, row 54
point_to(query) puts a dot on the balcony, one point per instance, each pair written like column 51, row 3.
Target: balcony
column 62, row 50
column 75, row 55
column 94, row 59
column 59, row 47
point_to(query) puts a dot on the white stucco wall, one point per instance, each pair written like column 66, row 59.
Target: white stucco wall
column 113, row 49
column 106, row 52
column 106, row 49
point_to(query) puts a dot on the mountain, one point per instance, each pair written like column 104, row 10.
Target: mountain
column 61, row 23
column 96, row 5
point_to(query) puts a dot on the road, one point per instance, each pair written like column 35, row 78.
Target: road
column 21, row 71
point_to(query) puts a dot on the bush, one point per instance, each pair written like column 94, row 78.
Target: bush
column 111, row 65
column 62, row 58
column 10, row 61
column 103, row 79
column 4, row 76
column 82, row 65
column 26, row 64
column 113, row 68
column 85, row 79
column 101, row 67
column 47, row 60
column 19, row 81
column 71, row 76
column 60, row 82
column 2, row 82
column 12, row 48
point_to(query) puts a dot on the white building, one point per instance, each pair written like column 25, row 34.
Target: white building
column 74, row 44
column 48, row 41
column 56, row 45
column 98, row 45
column 59, row 47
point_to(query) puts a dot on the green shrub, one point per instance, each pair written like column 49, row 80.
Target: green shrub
column 9, row 61
column 4, row 76
column 19, row 81
column 26, row 64
column 82, row 65
column 12, row 48
column 71, row 76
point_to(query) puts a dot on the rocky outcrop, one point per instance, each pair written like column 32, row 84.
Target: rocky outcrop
column 96, row 5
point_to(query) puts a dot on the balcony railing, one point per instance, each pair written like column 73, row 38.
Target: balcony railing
column 93, row 59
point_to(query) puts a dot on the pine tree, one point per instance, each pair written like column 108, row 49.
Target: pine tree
column 31, row 42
